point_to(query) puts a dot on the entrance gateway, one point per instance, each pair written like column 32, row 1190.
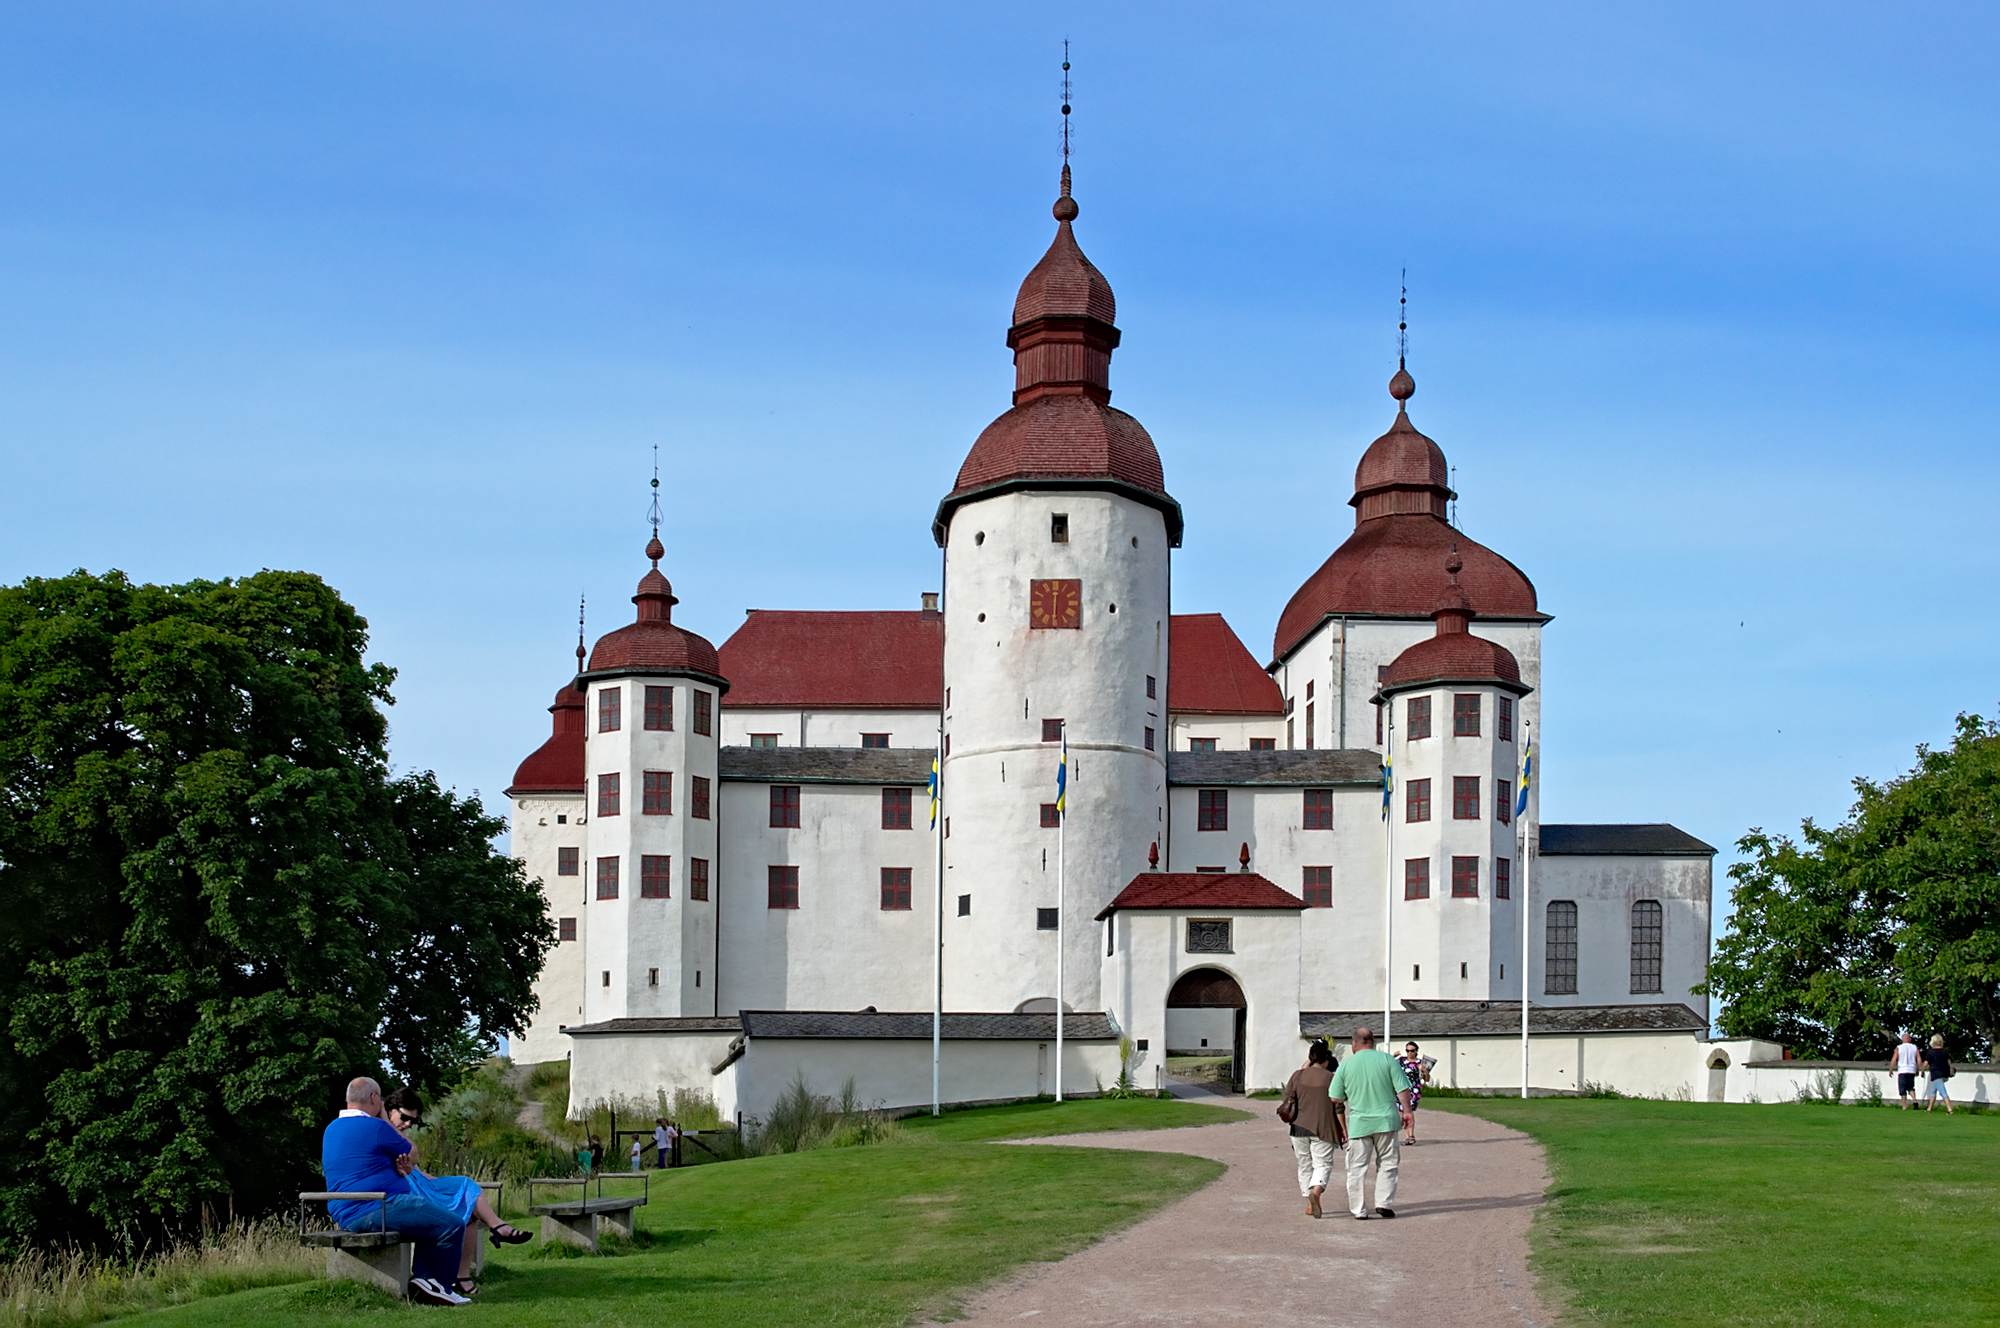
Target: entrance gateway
column 1213, row 989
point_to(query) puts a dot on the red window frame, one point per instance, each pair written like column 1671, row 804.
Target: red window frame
column 874, row 741
column 1309, row 723
column 1503, row 801
column 1150, row 740
column 782, row 886
column 704, row 712
column 784, row 806
column 656, row 793
column 1316, row 886
column 1417, row 718
column 659, row 709
column 1503, row 878
column 565, row 929
column 1416, row 878
column 1263, row 744
column 1212, row 809
column 1465, row 714
column 1504, row 724
column 1416, row 801
column 895, row 889
column 895, row 809
column 607, row 878
column 1317, row 811
column 656, row 876
column 607, row 793
column 1465, row 797
column 1152, row 688
column 1464, row 877
column 569, row 862
column 697, row 878
column 1052, row 730
column 698, row 797
column 610, row 709
column 1051, row 818
column 1201, row 744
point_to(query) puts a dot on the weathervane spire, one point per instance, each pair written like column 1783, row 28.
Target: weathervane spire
column 1065, row 115
column 1401, row 386
column 579, row 631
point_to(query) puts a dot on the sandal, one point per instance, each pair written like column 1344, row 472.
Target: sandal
column 508, row 1234
column 466, row 1287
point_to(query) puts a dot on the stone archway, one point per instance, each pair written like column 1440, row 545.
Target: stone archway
column 1211, row 989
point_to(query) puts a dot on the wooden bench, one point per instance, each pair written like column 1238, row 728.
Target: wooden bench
column 582, row 1221
column 381, row 1258
column 492, row 1190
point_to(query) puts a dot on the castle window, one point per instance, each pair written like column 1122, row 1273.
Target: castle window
column 1464, row 878
column 1201, row 744
column 567, row 861
column 1208, row 936
column 895, row 889
column 965, row 906
column 698, row 797
column 656, row 793
column 659, row 709
column 1503, row 881
column 652, row 977
column 1059, row 528
column 697, row 878
column 1648, row 932
column 895, row 809
column 610, row 709
column 784, row 806
column 605, row 979
column 765, row 741
column 1212, row 809
column 607, row 794
column 607, row 878
column 1503, row 805
column 1149, row 739
column 704, row 712
column 783, row 886
column 1317, row 886
column 1045, row 919
column 656, row 876
column 1465, row 715
column 1504, row 725
column 1210, row 871
column 1318, row 809
column 1416, row 878
column 1465, row 797
column 1309, row 724
column 1052, row 730
column 1559, row 949
column 1263, row 744
column 1417, row 800
column 874, row 740
column 1152, row 688
column 565, row 929
column 1417, row 718
column 1051, row 818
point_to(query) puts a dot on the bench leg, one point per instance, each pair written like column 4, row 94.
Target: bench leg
column 580, row 1231
column 385, row 1267
column 479, row 1253
column 621, row 1223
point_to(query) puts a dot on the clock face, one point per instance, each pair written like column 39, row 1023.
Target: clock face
column 1055, row 603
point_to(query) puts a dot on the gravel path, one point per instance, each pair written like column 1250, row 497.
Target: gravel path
column 1243, row 1251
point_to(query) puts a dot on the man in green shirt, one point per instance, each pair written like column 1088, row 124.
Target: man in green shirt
column 1377, row 1094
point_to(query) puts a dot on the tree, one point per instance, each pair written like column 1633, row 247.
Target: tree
column 1888, row 921
column 218, row 903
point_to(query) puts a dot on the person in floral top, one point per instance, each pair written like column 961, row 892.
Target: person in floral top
column 1413, row 1065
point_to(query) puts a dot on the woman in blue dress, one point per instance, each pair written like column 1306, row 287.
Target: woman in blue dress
column 459, row 1194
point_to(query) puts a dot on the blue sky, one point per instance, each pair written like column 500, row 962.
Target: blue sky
column 1705, row 308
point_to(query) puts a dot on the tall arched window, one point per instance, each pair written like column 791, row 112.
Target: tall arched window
column 1559, row 949
column 1648, row 929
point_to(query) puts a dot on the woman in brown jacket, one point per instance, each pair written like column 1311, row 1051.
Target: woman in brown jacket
column 1318, row 1131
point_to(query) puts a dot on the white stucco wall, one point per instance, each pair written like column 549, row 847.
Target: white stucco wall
column 1005, row 678
column 828, row 728
column 1978, row 1085
column 895, row 1073
column 839, row 949
column 634, row 1068
column 1232, row 733
column 541, row 825
column 1200, row 1032
column 1604, row 889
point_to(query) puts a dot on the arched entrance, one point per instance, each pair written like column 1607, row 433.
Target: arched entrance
column 1213, row 989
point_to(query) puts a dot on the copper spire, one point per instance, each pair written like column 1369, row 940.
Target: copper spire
column 1401, row 386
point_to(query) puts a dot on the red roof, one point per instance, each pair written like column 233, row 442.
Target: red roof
column 1453, row 657
column 1211, row 672
column 883, row 659
column 557, row 765
column 1233, row 892
column 652, row 644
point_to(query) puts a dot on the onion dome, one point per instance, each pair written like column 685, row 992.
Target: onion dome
column 557, row 765
column 1062, row 431
column 652, row 644
column 1453, row 653
column 1392, row 566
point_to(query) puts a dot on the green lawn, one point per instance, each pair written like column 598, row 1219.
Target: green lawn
column 839, row 1236
column 1676, row 1212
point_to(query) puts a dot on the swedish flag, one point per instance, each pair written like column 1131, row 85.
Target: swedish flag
column 1388, row 780
column 1062, row 775
column 1527, row 776
column 934, row 789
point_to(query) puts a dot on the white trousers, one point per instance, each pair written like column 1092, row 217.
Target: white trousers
column 1380, row 1153
column 1315, row 1158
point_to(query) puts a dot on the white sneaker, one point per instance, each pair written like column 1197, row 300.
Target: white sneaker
column 429, row 1291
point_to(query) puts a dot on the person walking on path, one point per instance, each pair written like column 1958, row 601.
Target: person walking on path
column 1903, row 1064
column 1939, row 1065
column 1315, row 1123
column 1413, row 1066
column 1377, row 1093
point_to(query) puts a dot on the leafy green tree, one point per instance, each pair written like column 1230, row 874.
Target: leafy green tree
column 216, row 903
column 1889, row 921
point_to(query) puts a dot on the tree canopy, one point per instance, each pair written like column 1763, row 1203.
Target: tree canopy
column 1847, row 936
column 219, row 902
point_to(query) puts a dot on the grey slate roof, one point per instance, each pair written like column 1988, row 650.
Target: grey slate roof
column 1079, row 1027
column 1294, row 768
column 1652, row 839
column 1500, row 1018
column 825, row 765
column 684, row 1024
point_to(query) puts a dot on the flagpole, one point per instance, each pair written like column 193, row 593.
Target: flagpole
column 1062, row 817
column 937, row 930
column 1389, row 902
column 1526, row 856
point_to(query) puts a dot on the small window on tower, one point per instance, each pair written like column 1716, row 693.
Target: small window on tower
column 1317, row 883
column 1152, row 688
column 704, row 710
column 652, row 977
column 1059, row 528
column 1149, row 740
column 874, row 740
column 1051, row 818
column 610, row 709
column 1052, row 730
column 965, row 906
column 565, row 929
column 1045, row 919
column 566, row 861
column 1417, row 717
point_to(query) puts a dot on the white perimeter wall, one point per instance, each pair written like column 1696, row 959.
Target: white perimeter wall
column 893, row 1073
column 1201, row 1032
column 829, row 728
column 636, row 1067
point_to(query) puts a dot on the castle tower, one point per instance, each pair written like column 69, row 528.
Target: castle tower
column 1056, row 537
column 546, row 833
column 650, row 717
column 1455, row 708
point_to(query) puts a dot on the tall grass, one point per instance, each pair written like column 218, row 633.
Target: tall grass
column 75, row 1286
column 477, row 1132
column 802, row 1120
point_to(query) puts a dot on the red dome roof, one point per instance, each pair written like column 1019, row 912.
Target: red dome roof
column 557, row 765
column 1065, row 284
column 1401, row 458
column 1453, row 657
column 1063, row 437
column 653, row 644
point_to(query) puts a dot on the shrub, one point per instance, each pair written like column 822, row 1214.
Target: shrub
column 1827, row 1087
column 1591, row 1088
column 1870, row 1092
column 75, row 1286
column 801, row 1120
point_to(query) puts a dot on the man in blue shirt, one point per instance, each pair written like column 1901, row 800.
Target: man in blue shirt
column 361, row 1151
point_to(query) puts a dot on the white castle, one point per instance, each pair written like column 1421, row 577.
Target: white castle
column 735, row 844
